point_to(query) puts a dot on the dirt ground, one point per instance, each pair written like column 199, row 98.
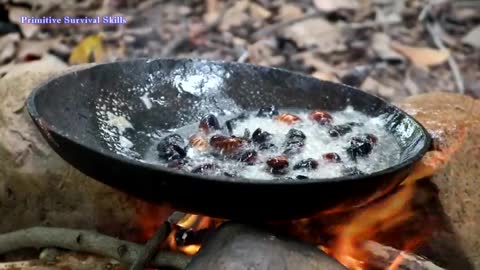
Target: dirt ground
column 393, row 48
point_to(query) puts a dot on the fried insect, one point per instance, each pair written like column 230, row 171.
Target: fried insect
column 227, row 145
column 198, row 142
column 278, row 165
column 332, row 157
column 323, row 118
column 288, row 118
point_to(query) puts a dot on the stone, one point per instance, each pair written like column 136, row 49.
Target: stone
column 37, row 187
column 453, row 120
column 240, row 247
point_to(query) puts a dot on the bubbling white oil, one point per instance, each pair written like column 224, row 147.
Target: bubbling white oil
column 318, row 142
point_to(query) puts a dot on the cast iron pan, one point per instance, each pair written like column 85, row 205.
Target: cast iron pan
column 71, row 112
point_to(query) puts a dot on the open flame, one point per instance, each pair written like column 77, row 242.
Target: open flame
column 344, row 236
column 366, row 225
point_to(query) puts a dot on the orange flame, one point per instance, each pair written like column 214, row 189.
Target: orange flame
column 366, row 224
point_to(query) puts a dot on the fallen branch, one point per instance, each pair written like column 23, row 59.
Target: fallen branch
column 151, row 247
column 86, row 241
column 243, row 57
column 382, row 257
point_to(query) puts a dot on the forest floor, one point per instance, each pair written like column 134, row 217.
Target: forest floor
column 400, row 47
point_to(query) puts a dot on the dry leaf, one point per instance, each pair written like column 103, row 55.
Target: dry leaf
column 422, row 56
column 235, row 16
column 318, row 33
column 212, row 11
column 333, row 5
column 8, row 46
column 289, row 12
column 373, row 86
column 381, row 47
column 472, row 38
column 259, row 12
column 16, row 13
column 262, row 53
column 91, row 49
column 311, row 60
column 325, row 76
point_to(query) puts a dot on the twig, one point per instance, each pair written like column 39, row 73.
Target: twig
column 185, row 37
column 457, row 76
column 86, row 241
column 151, row 247
column 424, row 12
column 277, row 26
column 372, row 24
column 243, row 57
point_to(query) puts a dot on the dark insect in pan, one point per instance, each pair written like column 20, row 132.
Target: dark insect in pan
column 360, row 146
column 260, row 136
column 268, row 112
column 294, row 142
column 339, row 130
column 267, row 146
column 371, row 138
column 209, row 123
column 249, row 157
column 307, row 164
column 171, row 147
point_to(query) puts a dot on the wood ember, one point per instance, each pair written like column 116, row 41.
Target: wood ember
column 239, row 247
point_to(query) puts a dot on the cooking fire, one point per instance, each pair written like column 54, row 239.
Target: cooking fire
column 381, row 235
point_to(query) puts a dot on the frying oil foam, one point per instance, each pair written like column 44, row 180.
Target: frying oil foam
column 317, row 143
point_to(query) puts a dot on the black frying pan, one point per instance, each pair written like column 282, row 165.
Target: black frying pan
column 68, row 110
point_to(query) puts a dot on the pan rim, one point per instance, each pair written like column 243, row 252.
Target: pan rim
column 34, row 114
